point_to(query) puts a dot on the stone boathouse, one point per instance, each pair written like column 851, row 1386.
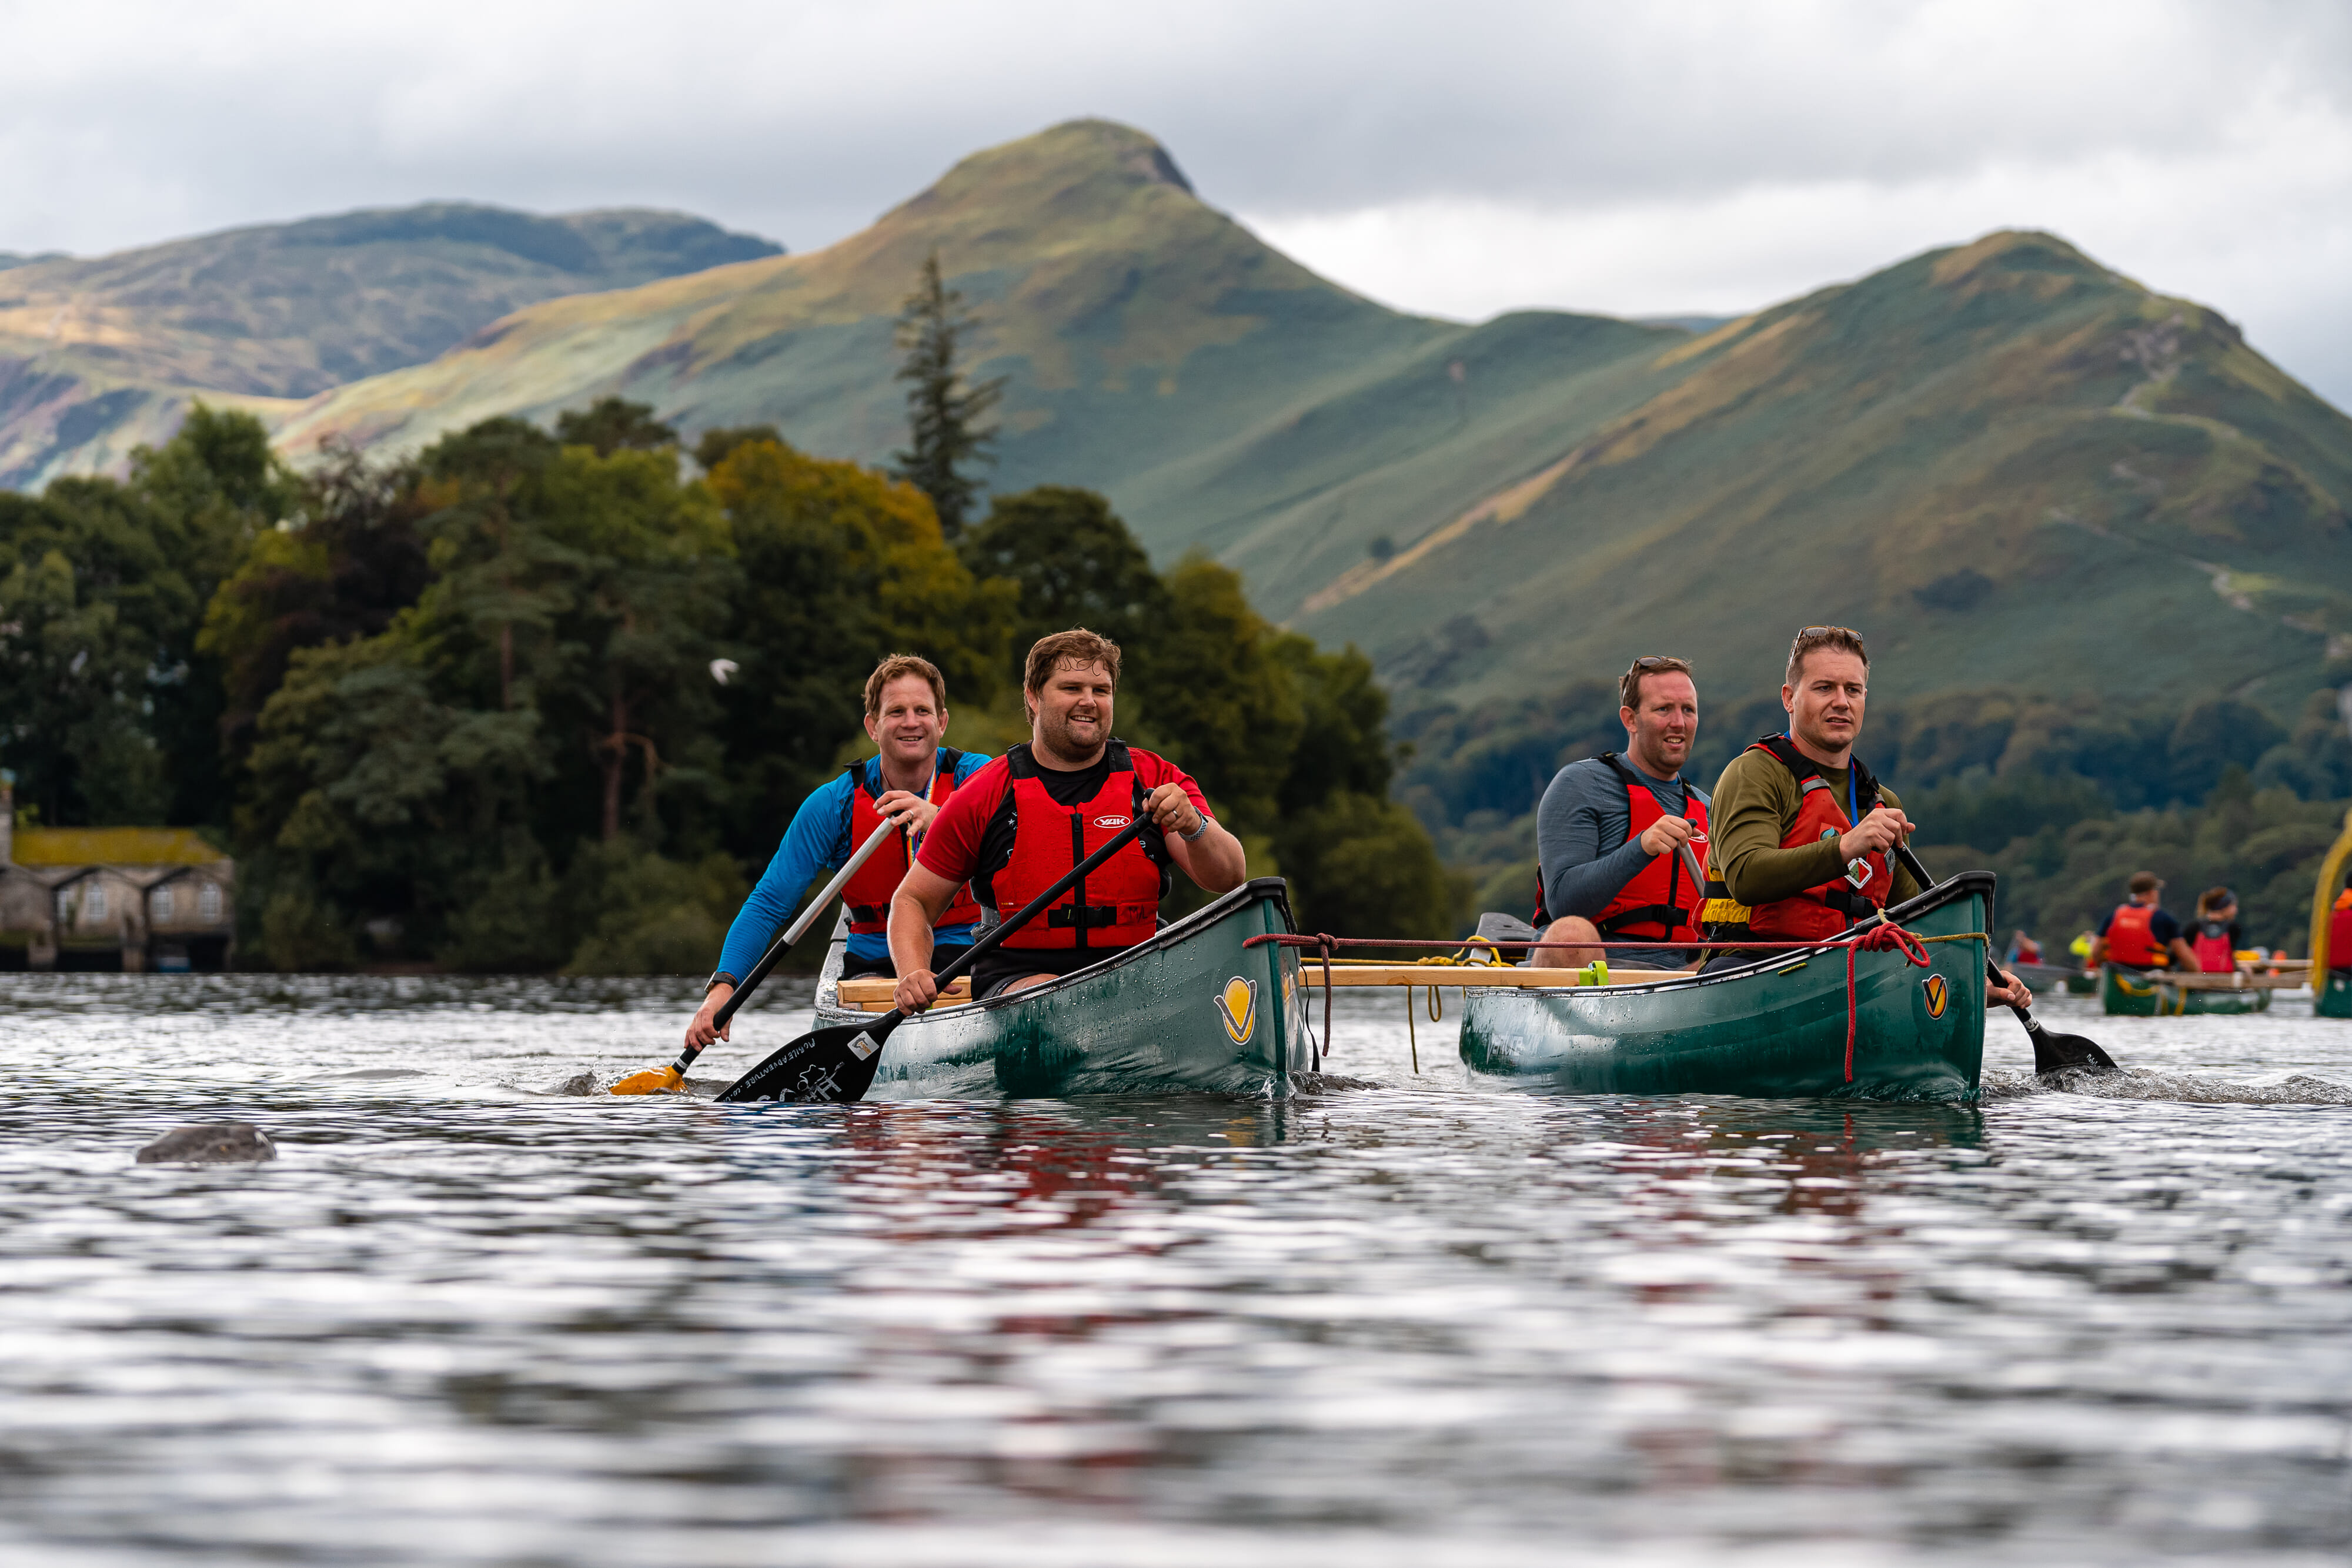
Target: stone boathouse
column 112, row 898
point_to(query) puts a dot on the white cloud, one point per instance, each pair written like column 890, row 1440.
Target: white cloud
column 1666, row 156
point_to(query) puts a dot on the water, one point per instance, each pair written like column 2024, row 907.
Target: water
column 463, row 1321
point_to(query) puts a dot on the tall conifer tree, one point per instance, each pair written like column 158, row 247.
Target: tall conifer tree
column 944, row 410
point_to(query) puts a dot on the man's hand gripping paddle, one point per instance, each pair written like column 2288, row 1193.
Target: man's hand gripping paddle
column 2052, row 1053
column 828, row 1065
column 670, row 1079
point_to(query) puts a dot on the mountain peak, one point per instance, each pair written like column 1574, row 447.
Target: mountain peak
column 1082, row 171
column 2012, row 253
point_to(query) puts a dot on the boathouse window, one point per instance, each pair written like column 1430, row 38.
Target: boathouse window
column 97, row 900
column 163, row 903
column 208, row 901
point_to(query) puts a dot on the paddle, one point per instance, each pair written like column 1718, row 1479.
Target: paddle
column 2052, row 1053
column 828, row 1065
column 674, row 1076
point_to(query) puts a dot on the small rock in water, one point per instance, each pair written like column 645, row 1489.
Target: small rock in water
column 210, row 1144
column 1330, row 1082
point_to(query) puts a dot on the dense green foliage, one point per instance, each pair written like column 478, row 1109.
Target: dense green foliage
column 107, row 703
column 532, row 701
column 2064, row 797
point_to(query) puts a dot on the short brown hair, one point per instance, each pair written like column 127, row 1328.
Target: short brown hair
column 1812, row 639
column 1076, row 646
column 896, row 666
column 1629, row 685
column 2145, row 881
column 2214, row 898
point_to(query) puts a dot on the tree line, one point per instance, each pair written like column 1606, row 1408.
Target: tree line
column 534, row 700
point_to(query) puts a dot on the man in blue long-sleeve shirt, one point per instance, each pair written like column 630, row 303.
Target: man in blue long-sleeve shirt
column 906, row 716
column 1611, row 864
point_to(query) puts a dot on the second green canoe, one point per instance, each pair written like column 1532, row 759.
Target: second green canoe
column 1775, row 1028
column 2150, row 995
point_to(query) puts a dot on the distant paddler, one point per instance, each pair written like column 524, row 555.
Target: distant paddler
column 911, row 776
column 1613, row 831
column 1025, row 821
column 2138, row 933
column 1802, row 837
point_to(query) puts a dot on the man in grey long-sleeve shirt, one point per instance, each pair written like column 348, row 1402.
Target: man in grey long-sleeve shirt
column 1587, row 851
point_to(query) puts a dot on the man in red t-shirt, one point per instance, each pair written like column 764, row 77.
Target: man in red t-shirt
column 1018, row 825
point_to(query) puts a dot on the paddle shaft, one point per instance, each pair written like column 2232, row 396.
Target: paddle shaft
column 880, row 1030
column 782, row 944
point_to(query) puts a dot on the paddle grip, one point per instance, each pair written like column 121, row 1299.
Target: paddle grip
column 782, row 944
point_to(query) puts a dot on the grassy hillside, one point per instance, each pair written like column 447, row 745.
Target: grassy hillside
column 2005, row 464
column 99, row 354
column 2004, row 461
column 1137, row 325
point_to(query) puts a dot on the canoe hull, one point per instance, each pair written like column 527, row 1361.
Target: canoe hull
column 1153, row 1021
column 2332, row 995
column 1775, row 1029
column 2150, row 996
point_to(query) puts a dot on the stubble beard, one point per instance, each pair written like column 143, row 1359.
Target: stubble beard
column 1055, row 730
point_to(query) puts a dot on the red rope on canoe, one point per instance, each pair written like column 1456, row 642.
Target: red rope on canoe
column 1877, row 939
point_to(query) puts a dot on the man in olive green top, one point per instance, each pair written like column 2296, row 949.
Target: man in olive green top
column 1792, row 851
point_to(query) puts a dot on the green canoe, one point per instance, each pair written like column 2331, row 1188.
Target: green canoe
column 2148, row 995
column 1191, row 1010
column 2332, row 997
column 1774, row 1028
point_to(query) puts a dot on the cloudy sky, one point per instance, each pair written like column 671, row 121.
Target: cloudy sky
column 1458, row 158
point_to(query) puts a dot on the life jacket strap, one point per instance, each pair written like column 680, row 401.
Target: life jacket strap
column 1668, row 915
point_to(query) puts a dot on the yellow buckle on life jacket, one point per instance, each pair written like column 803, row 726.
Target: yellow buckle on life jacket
column 1724, row 912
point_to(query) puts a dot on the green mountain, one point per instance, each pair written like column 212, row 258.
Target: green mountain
column 97, row 355
column 2005, row 462
column 1138, row 327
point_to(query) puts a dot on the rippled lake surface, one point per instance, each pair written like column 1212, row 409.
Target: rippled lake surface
column 466, row 1318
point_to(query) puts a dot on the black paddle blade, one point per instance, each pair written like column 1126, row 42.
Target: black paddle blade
column 2057, row 1052
column 823, row 1067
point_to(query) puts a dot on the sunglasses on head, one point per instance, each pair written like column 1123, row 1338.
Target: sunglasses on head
column 1839, row 631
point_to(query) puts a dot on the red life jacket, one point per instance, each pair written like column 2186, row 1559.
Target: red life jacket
column 2131, row 937
column 2339, row 939
column 868, row 893
column 1817, row 912
column 1661, row 902
column 1035, row 840
column 2216, row 955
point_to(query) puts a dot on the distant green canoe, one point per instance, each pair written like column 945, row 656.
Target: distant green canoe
column 2150, row 995
column 1775, row 1028
column 2332, row 997
column 1190, row 1011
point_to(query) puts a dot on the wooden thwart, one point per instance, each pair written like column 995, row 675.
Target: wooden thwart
column 1344, row 976
column 2240, row 981
column 872, row 993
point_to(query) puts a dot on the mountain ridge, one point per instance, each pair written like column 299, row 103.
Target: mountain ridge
column 2003, row 460
column 99, row 353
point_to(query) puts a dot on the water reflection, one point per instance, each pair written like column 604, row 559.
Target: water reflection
column 463, row 1320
